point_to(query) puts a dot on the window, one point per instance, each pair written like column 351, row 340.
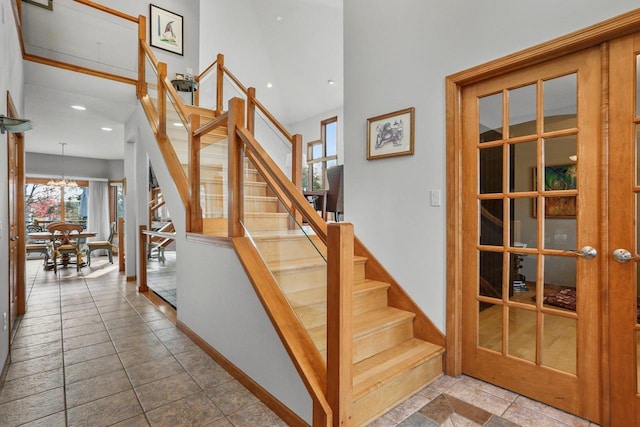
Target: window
column 321, row 154
column 116, row 200
column 45, row 204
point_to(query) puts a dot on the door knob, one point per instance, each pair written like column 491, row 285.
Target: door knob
column 622, row 256
column 586, row 252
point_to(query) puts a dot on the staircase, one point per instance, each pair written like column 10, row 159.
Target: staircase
column 392, row 359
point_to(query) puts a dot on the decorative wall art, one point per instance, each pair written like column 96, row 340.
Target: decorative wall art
column 166, row 30
column 559, row 177
column 391, row 134
column 46, row 4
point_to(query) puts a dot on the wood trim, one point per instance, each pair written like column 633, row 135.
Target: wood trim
column 206, row 70
column 219, row 82
column 221, row 120
column 223, row 242
column 232, row 77
column 194, row 212
column 297, row 342
column 398, row 298
column 164, row 307
column 108, row 10
column 142, row 259
column 16, row 8
column 251, row 110
column 340, row 321
column 141, row 87
column 121, row 244
column 79, row 69
column 132, row 278
column 280, row 409
column 201, row 111
column 235, row 160
column 273, row 120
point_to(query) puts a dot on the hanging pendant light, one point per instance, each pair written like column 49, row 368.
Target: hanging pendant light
column 62, row 182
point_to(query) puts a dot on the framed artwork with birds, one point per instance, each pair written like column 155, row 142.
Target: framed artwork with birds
column 166, row 30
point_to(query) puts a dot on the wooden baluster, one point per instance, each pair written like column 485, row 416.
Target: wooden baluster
column 142, row 61
column 162, row 101
column 251, row 110
column 195, row 209
column 236, row 164
column 142, row 260
column 340, row 321
column 219, row 82
column 120, row 244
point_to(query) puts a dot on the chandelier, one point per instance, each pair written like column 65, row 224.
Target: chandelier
column 62, row 182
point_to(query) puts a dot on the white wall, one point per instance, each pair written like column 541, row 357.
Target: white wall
column 47, row 165
column 397, row 55
column 12, row 80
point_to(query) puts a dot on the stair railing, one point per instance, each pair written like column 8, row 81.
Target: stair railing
column 337, row 375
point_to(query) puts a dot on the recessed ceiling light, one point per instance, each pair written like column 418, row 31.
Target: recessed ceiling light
column 269, row 85
column 79, row 107
column 331, row 82
column 278, row 18
column 178, row 124
column 106, row 129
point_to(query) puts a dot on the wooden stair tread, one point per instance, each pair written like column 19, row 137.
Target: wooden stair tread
column 365, row 324
column 374, row 372
column 303, row 263
column 319, row 295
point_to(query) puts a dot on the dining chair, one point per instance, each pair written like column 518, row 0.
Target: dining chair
column 65, row 244
column 335, row 194
column 103, row 244
column 36, row 246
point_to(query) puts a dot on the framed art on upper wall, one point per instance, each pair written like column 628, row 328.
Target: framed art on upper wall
column 166, row 30
column 46, row 4
column 390, row 135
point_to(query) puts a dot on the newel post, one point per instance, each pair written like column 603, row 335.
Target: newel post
column 236, row 161
column 142, row 260
column 251, row 110
column 219, row 82
column 142, row 37
column 195, row 208
column 162, row 100
column 340, row 321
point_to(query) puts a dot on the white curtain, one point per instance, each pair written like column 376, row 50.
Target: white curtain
column 98, row 220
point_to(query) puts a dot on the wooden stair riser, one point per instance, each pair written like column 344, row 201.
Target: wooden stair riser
column 217, row 186
column 372, row 343
column 374, row 404
column 314, row 315
column 294, row 280
column 215, row 206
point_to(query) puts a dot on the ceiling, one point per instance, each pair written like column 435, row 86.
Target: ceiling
column 50, row 92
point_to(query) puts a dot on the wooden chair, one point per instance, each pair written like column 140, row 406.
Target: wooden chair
column 65, row 244
column 335, row 195
column 37, row 246
column 103, row 244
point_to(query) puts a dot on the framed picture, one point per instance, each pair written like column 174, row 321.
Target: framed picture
column 46, row 4
column 559, row 177
column 166, row 30
column 391, row 134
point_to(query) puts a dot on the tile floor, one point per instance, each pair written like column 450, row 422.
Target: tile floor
column 92, row 352
column 161, row 277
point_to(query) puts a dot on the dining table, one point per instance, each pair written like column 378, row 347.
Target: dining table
column 47, row 236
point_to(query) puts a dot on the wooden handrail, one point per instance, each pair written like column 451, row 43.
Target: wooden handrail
column 283, row 187
column 273, row 120
column 108, row 10
column 297, row 342
column 206, row 71
column 234, row 79
column 148, row 52
column 221, row 120
column 78, row 69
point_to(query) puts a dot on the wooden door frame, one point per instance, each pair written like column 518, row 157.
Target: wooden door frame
column 595, row 35
column 21, row 305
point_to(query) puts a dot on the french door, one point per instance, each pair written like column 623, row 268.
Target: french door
column 532, row 234
column 624, row 231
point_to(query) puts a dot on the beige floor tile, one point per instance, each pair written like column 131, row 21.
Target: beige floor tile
column 139, row 421
column 78, row 307
column 92, row 368
column 58, row 419
column 83, row 330
column 256, row 415
column 68, row 315
column 24, row 341
column 160, row 392
column 144, row 354
column 230, row 397
column 83, row 354
column 86, row 340
column 33, row 384
column 35, row 351
column 477, row 397
column 24, row 330
column 122, row 322
column 106, row 411
column 34, row 366
column 82, row 321
column 128, row 331
column 98, row 387
column 553, row 413
column 190, row 411
column 135, row 342
column 160, row 368
column 32, row 407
